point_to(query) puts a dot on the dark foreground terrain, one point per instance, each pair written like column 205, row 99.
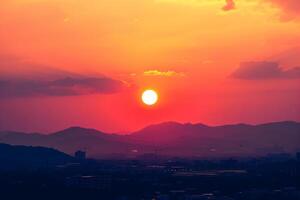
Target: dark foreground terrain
column 275, row 177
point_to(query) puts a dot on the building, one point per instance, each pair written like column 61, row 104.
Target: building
column 80, row 155
column 298, row 156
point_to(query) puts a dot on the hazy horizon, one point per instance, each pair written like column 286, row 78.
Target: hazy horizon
column 129, row 132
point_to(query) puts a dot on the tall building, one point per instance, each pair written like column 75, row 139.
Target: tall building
column 80, row 155
column 298, row 156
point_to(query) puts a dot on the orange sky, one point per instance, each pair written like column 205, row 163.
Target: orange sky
column 185, row 49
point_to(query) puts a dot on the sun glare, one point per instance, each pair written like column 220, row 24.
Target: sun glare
column 149, row 97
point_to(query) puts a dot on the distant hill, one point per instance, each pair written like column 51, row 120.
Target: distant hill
column 96, row 143
column 14, row 157
column 172, row 139
column 228, row 140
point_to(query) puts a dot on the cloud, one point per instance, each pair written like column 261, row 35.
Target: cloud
column 61, row 87
column 19, row 78
column 230, row 5
column 290, row 8
column 168, row 73
column 12, row 67
column 264, row 70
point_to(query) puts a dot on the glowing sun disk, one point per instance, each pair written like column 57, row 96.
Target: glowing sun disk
column 149, row 97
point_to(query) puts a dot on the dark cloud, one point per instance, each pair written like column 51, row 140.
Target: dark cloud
column 19, row 78
column 264, row 70
column 61, row 87
column 290, row 8
column 230, row 5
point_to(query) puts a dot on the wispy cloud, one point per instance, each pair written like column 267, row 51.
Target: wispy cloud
column 167, row 73
column 229, row 4
column 264, row 70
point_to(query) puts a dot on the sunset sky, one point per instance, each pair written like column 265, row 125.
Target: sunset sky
column 86, row 62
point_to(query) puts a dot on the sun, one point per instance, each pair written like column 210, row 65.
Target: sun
column 149, row 97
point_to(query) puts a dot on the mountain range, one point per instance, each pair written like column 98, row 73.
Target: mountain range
column 170, row 139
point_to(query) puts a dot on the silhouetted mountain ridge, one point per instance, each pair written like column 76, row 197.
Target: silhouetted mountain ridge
column 13, row 157
column 171, row 138
column 79, row 132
